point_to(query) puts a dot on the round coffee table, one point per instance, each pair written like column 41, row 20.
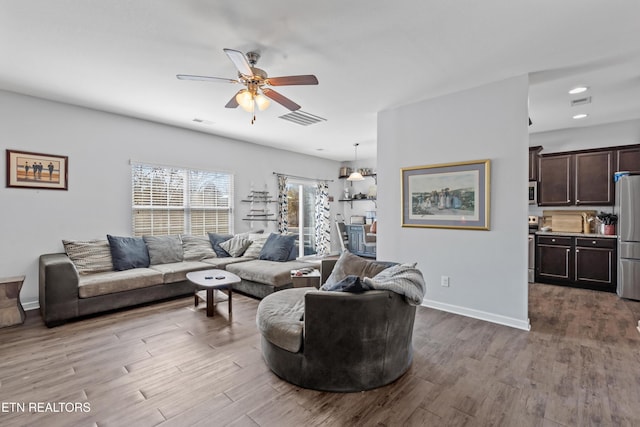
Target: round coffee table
column 212, row 280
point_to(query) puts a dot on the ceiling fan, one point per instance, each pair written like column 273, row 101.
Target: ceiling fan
column 256, row 82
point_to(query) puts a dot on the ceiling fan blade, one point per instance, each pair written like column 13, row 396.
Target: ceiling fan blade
column 280, row 99
column 233, row 103
column 308, row 79
column 205, row 78
column 240, row 61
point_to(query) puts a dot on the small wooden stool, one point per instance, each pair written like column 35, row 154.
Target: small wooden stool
column 11, row 311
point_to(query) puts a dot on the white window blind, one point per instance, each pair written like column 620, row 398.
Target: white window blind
column 170, row 200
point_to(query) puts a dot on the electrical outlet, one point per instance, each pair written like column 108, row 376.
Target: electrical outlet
column 444, row 281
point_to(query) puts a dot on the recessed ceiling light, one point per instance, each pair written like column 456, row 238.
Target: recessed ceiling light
column 580, row 116
column 577, row 90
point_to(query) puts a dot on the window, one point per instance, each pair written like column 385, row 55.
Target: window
column 180, row 201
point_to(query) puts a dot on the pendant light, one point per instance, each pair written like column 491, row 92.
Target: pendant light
column 355, row 175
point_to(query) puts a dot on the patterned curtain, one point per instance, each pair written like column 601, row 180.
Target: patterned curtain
column 323, row 223
column 283, row 205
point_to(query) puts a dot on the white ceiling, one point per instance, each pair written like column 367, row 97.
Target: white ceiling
column 122, row 56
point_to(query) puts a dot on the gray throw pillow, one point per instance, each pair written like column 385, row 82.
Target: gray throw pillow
column 89, row 256
column 196, row 248
column 164, row 249
column 349, row 264
column 277, row 247
column 236, row 245
column 257, row 242
column 128, row 252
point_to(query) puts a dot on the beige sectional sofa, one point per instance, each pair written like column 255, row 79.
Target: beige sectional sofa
column 83, row 281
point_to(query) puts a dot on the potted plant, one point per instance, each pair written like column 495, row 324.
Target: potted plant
column 608, row 221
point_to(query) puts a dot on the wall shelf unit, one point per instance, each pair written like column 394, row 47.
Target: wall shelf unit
column 259, row 209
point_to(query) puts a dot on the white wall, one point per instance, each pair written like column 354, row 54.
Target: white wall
column 487, row 269
column 584, row 138
column 100, row 146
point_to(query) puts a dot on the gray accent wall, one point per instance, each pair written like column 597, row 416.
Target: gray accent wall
column 487, row 269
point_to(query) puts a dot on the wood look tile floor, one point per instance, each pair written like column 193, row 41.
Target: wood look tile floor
column 169, row 365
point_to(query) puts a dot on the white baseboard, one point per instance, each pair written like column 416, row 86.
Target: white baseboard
column 31, row 305
column 477, row 314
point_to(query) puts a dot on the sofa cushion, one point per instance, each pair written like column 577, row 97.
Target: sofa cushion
column 89, row 256
column 274, row 273
column 128, row 252
column 236, row 245
column 215, row 240
column 117, row 281
column 350, row 264
column 280, row 318
column 277, row 247
column 177, row 271
column 196, row 248
column 164, row 249
column 222, row 263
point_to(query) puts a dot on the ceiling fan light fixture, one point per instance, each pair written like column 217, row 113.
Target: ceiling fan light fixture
column 262, row 102
column 245, row 100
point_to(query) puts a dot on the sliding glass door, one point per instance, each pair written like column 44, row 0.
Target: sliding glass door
column 301, row 218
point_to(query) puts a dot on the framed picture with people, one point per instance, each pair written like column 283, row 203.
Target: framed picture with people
column 451, row 195
column 37, row 170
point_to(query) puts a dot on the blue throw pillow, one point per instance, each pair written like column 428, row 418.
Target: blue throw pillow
column 278, row 247
column 215, row 240
column 128, row 252
column 350, row 283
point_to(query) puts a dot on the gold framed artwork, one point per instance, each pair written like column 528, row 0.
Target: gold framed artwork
column 448, row 195
column 37, row 170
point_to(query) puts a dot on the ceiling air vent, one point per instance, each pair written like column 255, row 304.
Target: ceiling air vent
column 581, row 101
column 302, row 118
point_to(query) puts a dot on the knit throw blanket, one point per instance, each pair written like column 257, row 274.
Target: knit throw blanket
column 403, row 279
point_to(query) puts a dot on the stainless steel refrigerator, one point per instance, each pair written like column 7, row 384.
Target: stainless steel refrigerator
column 628, row 209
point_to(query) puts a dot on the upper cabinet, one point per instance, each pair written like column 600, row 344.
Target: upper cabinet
column 583, row 177
column 594, row 178
column 628, row 159
column 555, row 174
column 534, row 153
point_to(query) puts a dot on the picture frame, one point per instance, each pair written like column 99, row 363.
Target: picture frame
column 51, row 171
column 447, row 195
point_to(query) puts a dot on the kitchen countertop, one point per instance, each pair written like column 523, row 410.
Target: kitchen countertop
column 560, row 233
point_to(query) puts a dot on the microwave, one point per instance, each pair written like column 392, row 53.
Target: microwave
column 533, row 192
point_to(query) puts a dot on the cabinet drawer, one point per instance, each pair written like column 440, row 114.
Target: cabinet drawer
column 595, row 243
column 554, row 240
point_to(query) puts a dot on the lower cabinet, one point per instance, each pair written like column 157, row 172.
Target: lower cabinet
column 596, row 263
column 577, row 261
column 554, row 259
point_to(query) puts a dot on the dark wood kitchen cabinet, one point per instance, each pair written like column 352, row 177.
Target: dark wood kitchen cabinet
column 555, row 186
column 534, row 155
column 594, row 178
column 628, row 159
column 576, row 179
column 584, row 262
column 554, row 259
column 596, row 263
